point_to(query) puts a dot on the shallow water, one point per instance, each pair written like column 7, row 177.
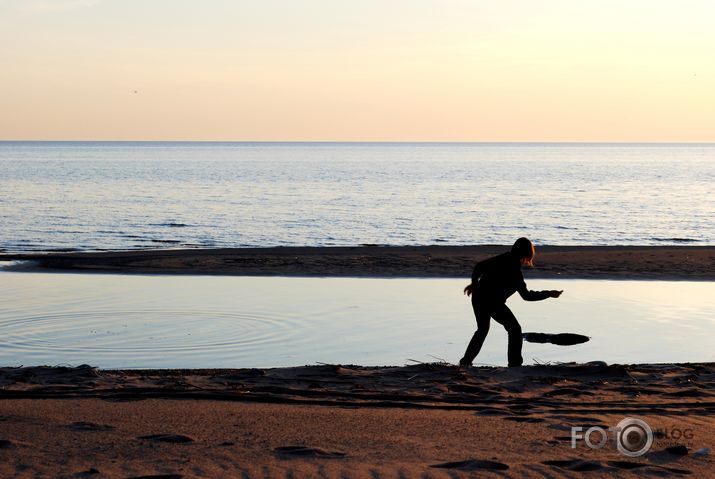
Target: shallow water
column 128, row 321
column 138, row 195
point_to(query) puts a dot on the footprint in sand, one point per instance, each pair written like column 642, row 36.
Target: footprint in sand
column 521, row 407
column 7, row 444
column 171, row 438
column 569, row 427
column 158, row 476
column 559, row 427
column 525, row 419
column 628, row 465
column 304, row 451
column 577, row 419
column 492, row 411
column 576, row 465
column 91, row 472
column 678, row 450
column 89, row 426
column 669, row 454
column 579, row 465
column 473, row 465
column 567, row 392
column 687, row 393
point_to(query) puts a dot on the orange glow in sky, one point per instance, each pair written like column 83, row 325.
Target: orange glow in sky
column 412, row 70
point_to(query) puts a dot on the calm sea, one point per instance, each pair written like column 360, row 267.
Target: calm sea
column 126, row 195
column 158, row 321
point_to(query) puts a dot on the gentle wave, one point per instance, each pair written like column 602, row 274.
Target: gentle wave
column 676, row 240
column 123, row 196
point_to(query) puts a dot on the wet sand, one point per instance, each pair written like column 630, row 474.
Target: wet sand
column 422, row 421
column 587, row 262
column 342, row 421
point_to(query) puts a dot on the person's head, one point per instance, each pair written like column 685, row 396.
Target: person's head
column 524, row 250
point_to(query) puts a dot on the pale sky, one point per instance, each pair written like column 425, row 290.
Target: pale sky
column 362, row 70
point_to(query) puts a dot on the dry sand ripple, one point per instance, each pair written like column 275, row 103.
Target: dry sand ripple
column 421, row 421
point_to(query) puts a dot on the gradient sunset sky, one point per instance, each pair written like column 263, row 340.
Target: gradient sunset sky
column 381, row 70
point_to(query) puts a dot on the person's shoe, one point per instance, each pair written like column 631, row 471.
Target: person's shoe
column 515, row 365
column 464, row 365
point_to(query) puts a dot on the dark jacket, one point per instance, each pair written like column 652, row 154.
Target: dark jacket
column 497, row 278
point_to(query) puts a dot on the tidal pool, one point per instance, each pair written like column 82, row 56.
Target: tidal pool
column 158, row 321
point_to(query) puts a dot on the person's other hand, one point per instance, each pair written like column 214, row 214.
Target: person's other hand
column 556, row 293
column 468, row 290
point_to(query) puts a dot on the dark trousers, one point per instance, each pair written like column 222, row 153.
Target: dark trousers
column 483, row 311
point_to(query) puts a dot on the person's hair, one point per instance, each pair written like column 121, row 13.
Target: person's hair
column 524, row 250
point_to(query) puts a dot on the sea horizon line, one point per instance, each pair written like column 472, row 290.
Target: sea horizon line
column 372, row 142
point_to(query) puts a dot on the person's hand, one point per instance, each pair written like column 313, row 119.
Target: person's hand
column 468, row 290
column 556, row 293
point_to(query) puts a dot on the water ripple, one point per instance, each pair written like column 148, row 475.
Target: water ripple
column 123, row 332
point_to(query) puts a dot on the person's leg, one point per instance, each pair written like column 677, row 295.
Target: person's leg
column 505, row 317
column 475, row 345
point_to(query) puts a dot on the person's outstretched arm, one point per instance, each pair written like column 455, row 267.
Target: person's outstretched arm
column 529, row 295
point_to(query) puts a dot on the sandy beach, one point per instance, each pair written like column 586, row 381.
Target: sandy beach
column 345, row 421
column 590, row 262
column 237, row 239
column 423, row 420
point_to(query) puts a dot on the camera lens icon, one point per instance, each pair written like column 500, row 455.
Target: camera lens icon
column 634, row 437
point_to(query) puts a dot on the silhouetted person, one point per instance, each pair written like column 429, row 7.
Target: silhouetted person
column 493, row 281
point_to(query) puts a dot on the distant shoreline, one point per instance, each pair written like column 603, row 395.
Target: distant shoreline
column 572, row 262
column 372, row 142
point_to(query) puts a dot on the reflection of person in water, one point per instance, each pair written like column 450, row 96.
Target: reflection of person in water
column 493, row 281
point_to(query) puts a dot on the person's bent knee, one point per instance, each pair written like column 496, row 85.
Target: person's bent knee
column 513, row 328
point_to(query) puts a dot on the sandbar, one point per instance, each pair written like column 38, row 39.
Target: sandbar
column 582, row 262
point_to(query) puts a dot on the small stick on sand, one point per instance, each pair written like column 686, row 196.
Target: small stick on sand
column 442, row 360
